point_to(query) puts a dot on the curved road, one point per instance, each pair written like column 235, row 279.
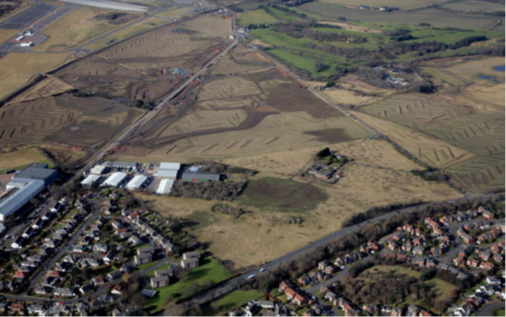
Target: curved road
column 487, row 309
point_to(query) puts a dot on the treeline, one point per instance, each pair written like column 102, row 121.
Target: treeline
column 208, row 190
column 303, row 30
column 390, row 288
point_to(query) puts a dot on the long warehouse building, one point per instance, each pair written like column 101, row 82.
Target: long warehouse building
column 165, row 186
column 90, row 179
column 115, row 180
column 15, row 198
column 136, row 182
column 169, row 170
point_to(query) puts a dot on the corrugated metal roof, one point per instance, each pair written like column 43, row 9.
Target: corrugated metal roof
column 9, row 205
column 165, row 186
column 115, row 179
column 98, row 169
column 202, row 176
column 36, row 172
column 167, row 173
column 136, row 182
column 124, row 164
column 90, row 179
column 170, row 166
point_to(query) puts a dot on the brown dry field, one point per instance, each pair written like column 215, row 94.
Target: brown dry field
column 211, row 25
column 346, row 95
column 47, row 87
column 418, row 144
column 263, row 236
column 240, row 61
column 77, row 122
column 134, row 68
column 489, row 94
column 18, row 68
column 20, row 157
column 279, row 116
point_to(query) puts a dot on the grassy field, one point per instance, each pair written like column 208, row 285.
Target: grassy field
column 7, row 34
column 135, row 29
column 18, row 68
column 20, row 158
column 174, row 12
column 207, row 273
column 279, row 194
column 255, row 17
column 440, row 18
column 77, row 27
column 473, row 6
column 235, row 299
column 403, row 5
column 211, row 25
column 379, row 171
column 500, row 312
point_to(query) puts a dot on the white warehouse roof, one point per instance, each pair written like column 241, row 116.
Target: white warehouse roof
column 165, row 186
column 136, row 182
column 170, row 166
column 98, row 169
column 90, row 179
column 168, row 170
column 115, row 179
column 16, row 200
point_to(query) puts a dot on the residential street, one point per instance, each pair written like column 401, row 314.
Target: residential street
column 487, row 309
column 65, row 248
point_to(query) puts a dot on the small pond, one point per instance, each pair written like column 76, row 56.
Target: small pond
column 489, row 78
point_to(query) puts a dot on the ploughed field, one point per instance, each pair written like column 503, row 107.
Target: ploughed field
column 255, row 109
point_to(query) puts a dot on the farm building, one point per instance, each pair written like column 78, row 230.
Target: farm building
column 98, row 169
column 165, row 186
column 115, row 180
column 136, row 182
column 36, row 171
column 90, row 179
column 200, row 177
column 168, row 170
column 122, row 166
column 14, row 199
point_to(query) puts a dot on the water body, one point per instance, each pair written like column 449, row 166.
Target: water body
column 499, row 68
column 489, row 78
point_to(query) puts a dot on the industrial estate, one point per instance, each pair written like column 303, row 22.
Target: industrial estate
column 252, row 158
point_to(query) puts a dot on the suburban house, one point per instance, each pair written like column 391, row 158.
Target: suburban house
column 192, row 254
column 114, row 275
column 189, row 263
column 143, row 258
column 159, row 281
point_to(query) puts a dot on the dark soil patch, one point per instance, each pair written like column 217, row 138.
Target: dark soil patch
column 330, row 135
column 291, row 98
column 277, row 194
column 116, row 17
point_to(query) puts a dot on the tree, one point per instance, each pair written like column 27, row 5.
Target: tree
column 127, row 278
column 323, row 153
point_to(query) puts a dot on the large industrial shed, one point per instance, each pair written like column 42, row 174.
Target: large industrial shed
column 36, row 171
column 136, row 182
column 16, row 198
column 169, row 170
column 165, row 186
column 90, row 179
column 98, row 169
column 115, row 180
column 121, row 166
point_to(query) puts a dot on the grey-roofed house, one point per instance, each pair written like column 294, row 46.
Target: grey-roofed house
column 114, row 275
column 189, row 263
column 160, row 281
column 165, row 272
column 143, row 258
column 150, row 250
column 192, row 254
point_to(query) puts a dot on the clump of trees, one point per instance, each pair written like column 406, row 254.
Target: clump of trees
column 218, row 168
column 227, row 191
column 294, row 220
column 231, row 211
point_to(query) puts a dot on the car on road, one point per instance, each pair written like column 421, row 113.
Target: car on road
column 261, row 270
column 251, row 276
